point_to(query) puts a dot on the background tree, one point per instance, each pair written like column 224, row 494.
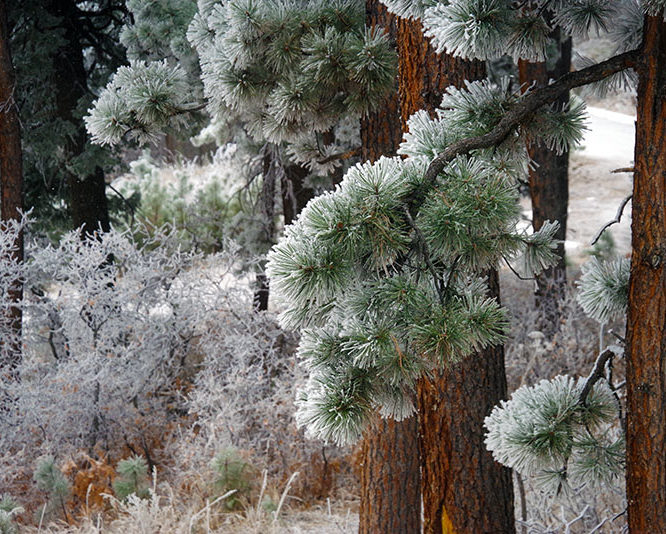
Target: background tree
column 11, row 189
column 296, row 75
column 549, row 179
column 64, row 52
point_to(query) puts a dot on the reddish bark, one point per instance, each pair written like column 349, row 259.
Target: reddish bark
column 646, row 323
column 463, row 489
column 389, row 466
column 549, row 186
column 11, row 176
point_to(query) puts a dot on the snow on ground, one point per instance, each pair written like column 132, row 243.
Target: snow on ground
column 594, row 192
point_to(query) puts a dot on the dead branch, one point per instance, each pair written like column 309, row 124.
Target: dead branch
column 618, row 217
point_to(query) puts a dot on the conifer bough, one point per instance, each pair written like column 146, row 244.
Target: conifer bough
column 519, row 114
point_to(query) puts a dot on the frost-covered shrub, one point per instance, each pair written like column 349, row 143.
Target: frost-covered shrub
column 148, row 348
column 11, row 274
column 113, row 332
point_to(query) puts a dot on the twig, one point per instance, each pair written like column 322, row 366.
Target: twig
column 520, row 277
column 618, row 217
column 426, row 256
column 578, row 518
column 340, row 155
column 623, row 169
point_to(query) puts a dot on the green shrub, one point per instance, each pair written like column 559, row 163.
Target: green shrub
column 51, row 480
column 232, row 472
column 9, row 509
column 132, row 478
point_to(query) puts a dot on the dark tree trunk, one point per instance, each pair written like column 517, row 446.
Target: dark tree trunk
column 463, row 489
column 646, row 323
column 294, row 195
column 389, row 467
column 11, row 180
column 549, row 186
column 271, row 168
column 88, row 203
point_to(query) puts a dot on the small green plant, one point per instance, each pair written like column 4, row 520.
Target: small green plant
column 132, row 478
column 51, row 480
column 9, row 509
column 232, row 472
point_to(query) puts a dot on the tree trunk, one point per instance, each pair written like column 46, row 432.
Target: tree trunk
column 294, row 195
column 11, row 184
column 646, row 323
column 549, row 186
column 271, row 166
column 463, row 489
column 389, row 467
column 88, row 204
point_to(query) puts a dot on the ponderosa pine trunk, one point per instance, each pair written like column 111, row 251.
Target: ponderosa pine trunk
column 389, row 456
column 549, row 185
column 463, row 489
column 11, row 185
column 646, row 322
column 88, row 204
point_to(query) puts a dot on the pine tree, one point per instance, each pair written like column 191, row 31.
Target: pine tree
column 460, row 483
column 11, row 188
column 549, row 179
column 390, row 502
column 483, row 29
column 63, row 53
column 646, row 321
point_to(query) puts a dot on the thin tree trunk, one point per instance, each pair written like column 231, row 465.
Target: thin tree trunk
column 646, row 323
column 463, row 489
column 549, row 185
column 271, row 166
column 11, row 180
column 389, row 467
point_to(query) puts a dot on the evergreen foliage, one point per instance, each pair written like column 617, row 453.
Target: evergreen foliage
column 489, row 29
column 232, row 472
column 9, row 509
column 384, row 295
column 51, row 480
column 564, row 431
column 41, row 41
column 547, row 431
column 604, row 288
column 132, row 478
column 287, row 70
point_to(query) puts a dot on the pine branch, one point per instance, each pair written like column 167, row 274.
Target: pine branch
column 517, row 115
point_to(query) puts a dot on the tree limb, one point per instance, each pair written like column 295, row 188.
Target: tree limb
column 596, row 374
column 518, row 114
